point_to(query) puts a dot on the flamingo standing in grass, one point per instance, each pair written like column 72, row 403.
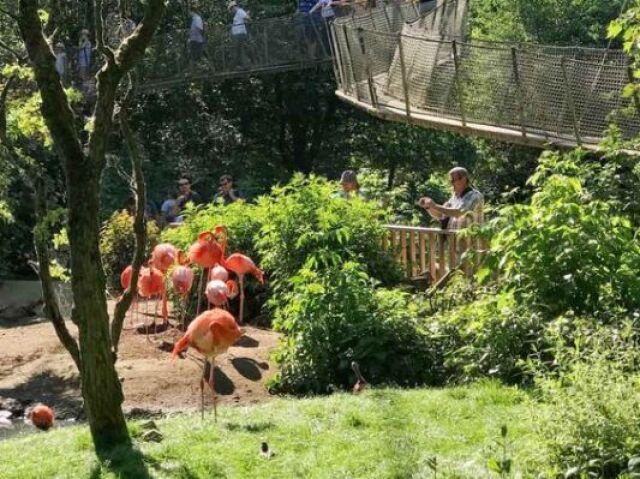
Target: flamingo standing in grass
column 210, row 334
column 242, row 265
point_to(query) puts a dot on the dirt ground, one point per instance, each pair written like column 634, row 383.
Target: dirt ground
column 34, row 367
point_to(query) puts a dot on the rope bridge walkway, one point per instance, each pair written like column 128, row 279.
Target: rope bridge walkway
column 423, row 72
column 272, row 45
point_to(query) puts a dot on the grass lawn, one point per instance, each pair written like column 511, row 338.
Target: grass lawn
column 384, row 433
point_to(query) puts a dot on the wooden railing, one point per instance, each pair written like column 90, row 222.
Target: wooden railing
column 427, row 252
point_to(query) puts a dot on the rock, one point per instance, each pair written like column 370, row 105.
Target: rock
column 10, row 404
column 140, row 413
column 152, row 436
column 149, row 425
column 166, row 346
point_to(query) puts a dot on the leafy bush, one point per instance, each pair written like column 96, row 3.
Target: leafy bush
column 303, row 220
column 491, row 336
column 117, row 242
column 335, row 316
column 576, row 249
column 593, row 392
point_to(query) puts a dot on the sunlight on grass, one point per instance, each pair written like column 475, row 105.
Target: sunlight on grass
column 382, row 433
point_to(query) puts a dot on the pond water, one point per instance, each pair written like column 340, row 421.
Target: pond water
column 20, row 427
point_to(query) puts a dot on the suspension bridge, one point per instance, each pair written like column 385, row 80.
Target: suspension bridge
column 398, row 64
column 426, row 73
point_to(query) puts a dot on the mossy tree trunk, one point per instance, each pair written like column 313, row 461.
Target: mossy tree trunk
column 101, row 389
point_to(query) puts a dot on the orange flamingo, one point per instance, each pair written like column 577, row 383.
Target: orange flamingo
column 125, row 282
column 241, row 265
column 163, row 257
column 219, row 272
column 42, row 417
column 151, row 283
column 207, row 252
column 210, row 334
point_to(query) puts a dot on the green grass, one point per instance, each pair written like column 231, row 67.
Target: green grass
column 382, row 433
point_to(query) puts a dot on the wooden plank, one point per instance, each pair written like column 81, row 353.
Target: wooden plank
column 441, row 256
column 413, row 253
column 423, row 252
column 403, row 250
column 432, row 256
column 453, row 254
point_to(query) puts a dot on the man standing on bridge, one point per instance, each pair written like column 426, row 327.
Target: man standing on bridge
column 196, row 37
column 463, row 208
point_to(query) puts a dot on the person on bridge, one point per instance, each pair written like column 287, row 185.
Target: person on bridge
column 239, row 35
column 84, row 55
column 326, row 9
column 187, row 195
column 196, row 37
column 463, row 208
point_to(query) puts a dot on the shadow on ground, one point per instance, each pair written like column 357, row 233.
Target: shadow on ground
column 51, row 389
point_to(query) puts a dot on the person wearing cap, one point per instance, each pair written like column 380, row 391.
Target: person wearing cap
column 84, row 54
column 196, row 36
column 350, row 186
column 61, row 62
column 463, row 208
column 239, row 35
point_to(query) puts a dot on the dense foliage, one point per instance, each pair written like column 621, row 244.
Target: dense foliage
column 117, row 242
column 335, row 316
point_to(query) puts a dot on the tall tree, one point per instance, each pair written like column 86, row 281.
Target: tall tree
column 95, row 350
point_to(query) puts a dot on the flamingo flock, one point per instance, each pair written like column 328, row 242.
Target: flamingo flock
column 213, row 331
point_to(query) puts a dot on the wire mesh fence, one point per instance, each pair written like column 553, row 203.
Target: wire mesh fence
column 426, row 67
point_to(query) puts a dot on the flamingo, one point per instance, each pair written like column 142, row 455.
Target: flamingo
column 361, row 383
column 125, row 282
column 207, row 252
column 241, row 265
column 151, row 283
column 41, row 416
column 219, row 272
column 211, row 334
column 163, row 257
column 217, row 292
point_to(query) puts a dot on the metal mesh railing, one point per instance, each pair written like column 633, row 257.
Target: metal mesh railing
column 426, row 72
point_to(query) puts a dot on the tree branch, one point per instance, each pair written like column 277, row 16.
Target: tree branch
column 55, row 107
column 51, row 308
column 20, row 58
column 128, row 54
column 139, row 228
column 9, row 14
column 101, row 45
column 3, row 109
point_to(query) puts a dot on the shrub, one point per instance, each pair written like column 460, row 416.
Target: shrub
column 303, row 220
column 117, row 242
column 592, row 424
column 491, row 336
column 576, row 250
column 334, row 316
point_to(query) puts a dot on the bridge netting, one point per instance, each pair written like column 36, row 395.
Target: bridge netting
column 425, row 71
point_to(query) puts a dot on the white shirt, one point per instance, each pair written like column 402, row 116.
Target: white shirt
column 326, row 10
column 61, row 63
column 197, row 27
column 238, row 27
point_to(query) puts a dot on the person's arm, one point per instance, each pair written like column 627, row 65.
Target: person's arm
column 428, row 204
column 315, row 7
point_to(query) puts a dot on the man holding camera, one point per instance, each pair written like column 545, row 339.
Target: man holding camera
column 463, row 208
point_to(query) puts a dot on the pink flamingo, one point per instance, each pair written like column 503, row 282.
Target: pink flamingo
column 207, row 252
column 211, row 334
column 125, row 282
column 163, row 257
column 151, row 283
column 241, row 265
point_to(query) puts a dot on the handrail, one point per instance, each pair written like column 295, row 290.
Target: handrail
column 420, row 229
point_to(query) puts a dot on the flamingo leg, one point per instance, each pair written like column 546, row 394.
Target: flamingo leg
column 241, row 278
column 146, row 325
column 199, row 292
column 204, row 369
column 155, row 313
column 213, row 388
